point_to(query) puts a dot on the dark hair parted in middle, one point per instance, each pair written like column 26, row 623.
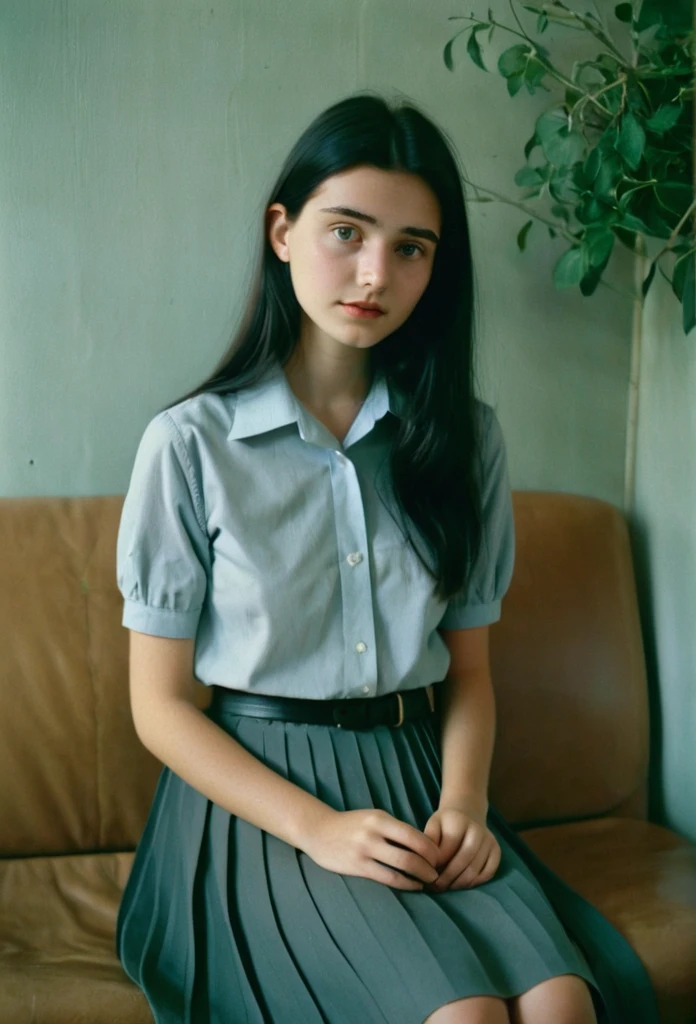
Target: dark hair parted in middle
column 434, row 457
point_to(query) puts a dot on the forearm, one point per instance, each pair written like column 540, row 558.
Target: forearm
column 205, row 756
column 467, row 738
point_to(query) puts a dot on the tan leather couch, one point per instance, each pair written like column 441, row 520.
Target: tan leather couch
column 75, row 783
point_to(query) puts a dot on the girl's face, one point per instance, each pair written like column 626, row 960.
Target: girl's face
column 379, row 247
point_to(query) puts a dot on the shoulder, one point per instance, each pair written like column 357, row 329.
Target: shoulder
column 205, row 416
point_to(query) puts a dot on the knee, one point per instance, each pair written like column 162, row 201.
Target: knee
column 474, row 1010
column 564, row 999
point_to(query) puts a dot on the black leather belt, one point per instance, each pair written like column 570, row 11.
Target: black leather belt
column 352, row 713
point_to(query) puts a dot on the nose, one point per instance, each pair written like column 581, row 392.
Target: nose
column 373, row 269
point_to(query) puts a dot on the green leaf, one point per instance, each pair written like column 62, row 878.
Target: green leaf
column 590, row 210
column 664, row 118
column 514, row 84
column 522, row 235
column 474, row 50
column 550, row 123
column 631, row 141
column 447, row 55
column 542, row 23
column 529, row 145
column 570, row 268
column 648, row 280
column 592, row 165
column 599, row 242
column 609, row 176
column 565, row 148
column 513, row 61
column 627, row 238
column 624, row 12
column 529, row 176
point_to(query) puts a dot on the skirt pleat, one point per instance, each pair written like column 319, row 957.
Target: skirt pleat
column 223, row 923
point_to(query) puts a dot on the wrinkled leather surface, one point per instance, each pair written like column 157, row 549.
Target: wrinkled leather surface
column 57, row 928
column 572, row 742
column 643, row 879
column 568, row 667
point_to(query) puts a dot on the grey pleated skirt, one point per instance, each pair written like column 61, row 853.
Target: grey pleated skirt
column 222, row 923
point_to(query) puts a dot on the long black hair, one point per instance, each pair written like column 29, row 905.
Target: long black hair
column 435, row 450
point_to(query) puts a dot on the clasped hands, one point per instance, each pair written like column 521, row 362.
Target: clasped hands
column 469, row 852
column 455, row 850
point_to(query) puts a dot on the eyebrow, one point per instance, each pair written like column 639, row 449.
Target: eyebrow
column 415, row 232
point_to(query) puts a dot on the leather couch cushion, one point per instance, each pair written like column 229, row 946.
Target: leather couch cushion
column 568, row 668
column 57, row 956
column 642, row 877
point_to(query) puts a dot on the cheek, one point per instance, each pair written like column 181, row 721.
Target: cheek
column 327, row 265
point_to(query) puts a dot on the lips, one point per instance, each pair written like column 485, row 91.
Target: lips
column 362, row 312
column 365, row 305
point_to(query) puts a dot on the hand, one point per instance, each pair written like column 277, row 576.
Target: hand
column 469, row 853
column 373, row 844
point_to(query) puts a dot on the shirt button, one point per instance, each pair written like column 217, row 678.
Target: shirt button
column 366, row 689
column 354, row 558
column 360, row 647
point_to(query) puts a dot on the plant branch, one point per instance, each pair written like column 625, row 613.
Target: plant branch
column 586, row 23
column 525, row 209
column 673, row 237
column 545, row 64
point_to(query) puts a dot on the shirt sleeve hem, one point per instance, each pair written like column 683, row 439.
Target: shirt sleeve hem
column 468, row 616
column 177, row 625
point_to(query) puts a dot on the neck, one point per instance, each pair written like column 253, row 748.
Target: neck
column 329, row 378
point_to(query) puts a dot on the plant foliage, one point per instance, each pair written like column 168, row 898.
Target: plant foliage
column 614, row 153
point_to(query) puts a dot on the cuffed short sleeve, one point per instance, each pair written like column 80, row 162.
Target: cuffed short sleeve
column 479, row 604
column 163, row 559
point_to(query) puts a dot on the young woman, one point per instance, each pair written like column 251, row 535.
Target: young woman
column 322, row 533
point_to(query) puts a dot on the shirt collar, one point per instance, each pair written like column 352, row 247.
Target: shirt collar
column 271, row 403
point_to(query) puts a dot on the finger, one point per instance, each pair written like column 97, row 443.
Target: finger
column 480, row 869
column 405, row 860
column 468, row 851
column 406, row 835
column 433, row 830
column 380, row 872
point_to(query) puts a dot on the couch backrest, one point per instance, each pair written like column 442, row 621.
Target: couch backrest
column 567, row 666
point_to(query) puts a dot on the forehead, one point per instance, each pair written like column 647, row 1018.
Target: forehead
column 393, row 197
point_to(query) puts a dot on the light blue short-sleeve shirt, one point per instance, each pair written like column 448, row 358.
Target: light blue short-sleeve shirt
column 250, row 527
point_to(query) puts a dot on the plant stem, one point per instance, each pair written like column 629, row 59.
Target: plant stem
column 602, row 35
column 673, row 237
column 525, row 209
column 549, row 67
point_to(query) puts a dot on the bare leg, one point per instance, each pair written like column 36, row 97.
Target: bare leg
column 475, row 1010
column 562, row 1000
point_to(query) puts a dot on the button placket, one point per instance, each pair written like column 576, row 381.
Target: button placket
column 360, row 662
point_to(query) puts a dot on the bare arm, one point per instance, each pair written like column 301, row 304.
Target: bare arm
column 164, row 696
column 164, row 700
column 468, row 720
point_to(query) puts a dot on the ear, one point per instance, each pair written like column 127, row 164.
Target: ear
column 277, row 226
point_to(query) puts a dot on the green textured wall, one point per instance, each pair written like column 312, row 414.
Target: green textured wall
column 665, row 548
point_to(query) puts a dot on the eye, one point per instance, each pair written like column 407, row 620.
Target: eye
column 344, row 227
column 413, row 245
